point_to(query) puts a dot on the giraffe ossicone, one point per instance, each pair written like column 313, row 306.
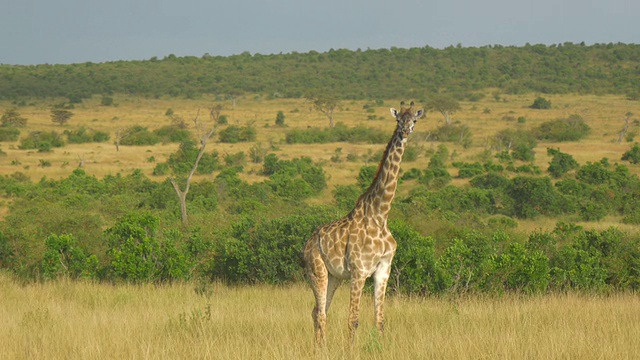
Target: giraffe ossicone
column 360, row 244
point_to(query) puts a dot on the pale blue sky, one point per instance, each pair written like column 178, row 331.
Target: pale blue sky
column 75, row 31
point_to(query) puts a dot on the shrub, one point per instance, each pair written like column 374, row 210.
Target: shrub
column 172, row 134
column 520, row 143
column 346, row 196
column 106, row 101
column 366, row 176
column 339, row 133
column 133, row 247
column 460, row 134
column 64, row 257
column 138, row 135
column 415, row 268
column 280, row 118
column 632, row 155
column 467, row 265
column 269, row 251
column 533, row 196
column 523, row 270
column 41, row 140
column 561, row 163
column 9, row 134
column 295, row 179
column 234, row 134
column 467, row 170
column 83, row 135
column 541, row 103
column 490, row 181
column 181, row 162
column 571, row 129
column 237, row 160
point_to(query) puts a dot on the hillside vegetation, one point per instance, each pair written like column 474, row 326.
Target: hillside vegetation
column 362, row 74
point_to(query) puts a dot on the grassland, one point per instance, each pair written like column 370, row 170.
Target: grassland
column 81, row 320
column 604, row 114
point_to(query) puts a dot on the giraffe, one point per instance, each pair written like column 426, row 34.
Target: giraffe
column 360, row 244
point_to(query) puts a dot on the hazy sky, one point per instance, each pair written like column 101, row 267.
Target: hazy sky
column 74, row 31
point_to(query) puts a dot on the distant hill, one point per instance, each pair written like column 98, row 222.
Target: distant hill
column 360, row 74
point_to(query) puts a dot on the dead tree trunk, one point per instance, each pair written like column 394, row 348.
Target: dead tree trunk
column 625, row 129
column 204, row 136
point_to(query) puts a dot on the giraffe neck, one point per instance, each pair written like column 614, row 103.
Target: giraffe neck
column 376, row 201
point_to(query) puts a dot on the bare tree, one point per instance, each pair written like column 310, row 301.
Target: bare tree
column 119, row 136
column 203, row 136
column 625, row 129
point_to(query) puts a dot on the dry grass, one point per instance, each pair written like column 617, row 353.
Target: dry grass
column 75, row 320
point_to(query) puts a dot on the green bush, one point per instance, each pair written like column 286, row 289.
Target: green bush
column 234, row 134
column 43, row 141
column 133, row 248
column 136, row 253
column 572, row 128
column 366, row 175
column 294, row 179
column 106, row 101
column 237, row 160
column 561, row 163
column 172, row 134
column 63, row 257
column 9, row 134
column 460, row 134
column 140, row 136
column 534, row 196
column 415, row 269
column 346, row 196
column 541, row 103
column 468, row 170
column 181, row 162
column 269, row 251
column 467, row 265
column 339, row 133
column 280, row 118
column 83, row 135
column 523, row 270
column 632, row 155
column 490, row 180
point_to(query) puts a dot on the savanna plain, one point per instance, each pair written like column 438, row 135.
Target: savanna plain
column 84, row 320
column 65, row 319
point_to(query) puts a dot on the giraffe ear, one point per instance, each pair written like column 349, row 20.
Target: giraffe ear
column 419, row 113
column 394, row 112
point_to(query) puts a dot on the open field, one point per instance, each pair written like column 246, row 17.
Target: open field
column 604, row 114
column 80, row 320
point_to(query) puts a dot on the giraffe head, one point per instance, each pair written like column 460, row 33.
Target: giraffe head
column 406, row 119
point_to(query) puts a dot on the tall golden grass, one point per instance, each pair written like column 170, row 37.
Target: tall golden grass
column 83, row 320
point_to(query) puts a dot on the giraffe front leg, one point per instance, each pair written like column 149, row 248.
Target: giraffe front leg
column 380, row 278
column 357, row 284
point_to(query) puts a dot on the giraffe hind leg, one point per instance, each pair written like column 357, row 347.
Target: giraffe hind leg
column 332, row 285
column 319, row 280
